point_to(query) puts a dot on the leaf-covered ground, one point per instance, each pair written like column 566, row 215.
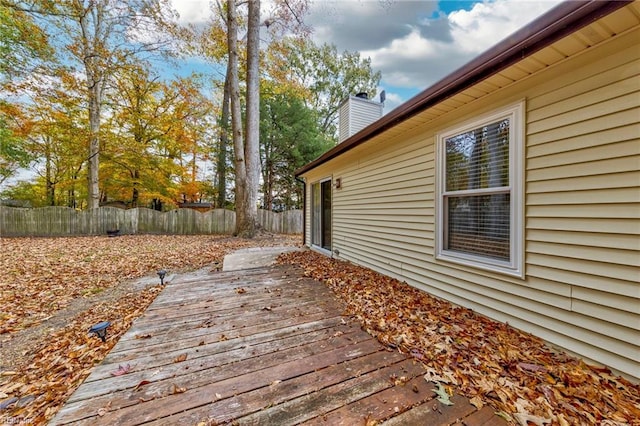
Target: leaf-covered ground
column 42, row 278
column 491, row 363
column 43, row 275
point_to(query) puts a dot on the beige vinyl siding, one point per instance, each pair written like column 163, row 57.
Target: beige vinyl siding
column 582, row 202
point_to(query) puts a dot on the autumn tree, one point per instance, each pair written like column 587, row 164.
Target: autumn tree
column 49, row 122
column 210, row 43
column 23, row 48
column 153, row 127
column 99, row 36
column 23, row 44
column 13, row 151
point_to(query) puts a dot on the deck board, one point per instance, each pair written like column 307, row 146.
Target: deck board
column 264, row 346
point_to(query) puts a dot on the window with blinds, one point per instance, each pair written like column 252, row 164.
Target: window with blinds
column 479, row 210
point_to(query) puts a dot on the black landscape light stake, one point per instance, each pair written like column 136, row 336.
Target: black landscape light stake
column 100, row 330
column 161, row 274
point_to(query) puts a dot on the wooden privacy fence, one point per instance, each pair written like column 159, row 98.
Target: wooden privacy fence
column 63, row 221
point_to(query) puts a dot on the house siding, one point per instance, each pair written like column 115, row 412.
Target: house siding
column 581, row 288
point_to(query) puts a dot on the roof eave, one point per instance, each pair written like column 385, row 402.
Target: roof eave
column 560, row 21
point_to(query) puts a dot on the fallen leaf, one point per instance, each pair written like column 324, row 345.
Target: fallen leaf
column 433, row 376
column 532, row 367
column 241, row 290
column 42, row 276
column 177, row 389
column 142, row 383
column 504, row 415
column 443, row 396
column 102, row 412
column 143, row 336
column 476, row 401
column 8, row 402
column 562, row 420
column 122, row 370
column 180, row 358
column 524, row 419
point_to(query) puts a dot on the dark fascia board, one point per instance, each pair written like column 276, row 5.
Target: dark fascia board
column 564, row 19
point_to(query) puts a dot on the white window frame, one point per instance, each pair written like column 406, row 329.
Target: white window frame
column 515, row 265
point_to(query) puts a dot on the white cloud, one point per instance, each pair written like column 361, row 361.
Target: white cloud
column 192, row 11
column 487, row 23
column 411, row 47
column 412, row 44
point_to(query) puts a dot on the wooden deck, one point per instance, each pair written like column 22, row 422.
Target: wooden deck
column 257, row 347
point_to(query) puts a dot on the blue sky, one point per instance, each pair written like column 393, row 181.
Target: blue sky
column 413, row 43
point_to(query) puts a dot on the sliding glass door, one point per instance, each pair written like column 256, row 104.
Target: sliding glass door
column 321, row 214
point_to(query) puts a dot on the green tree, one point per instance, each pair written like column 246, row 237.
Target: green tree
column 325, row 76
column 290, row 137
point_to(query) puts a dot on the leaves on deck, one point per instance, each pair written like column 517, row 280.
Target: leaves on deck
column 52, row 375
column 489, row 362
column 44, row 275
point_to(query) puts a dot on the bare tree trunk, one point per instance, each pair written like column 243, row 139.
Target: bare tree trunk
column 248, row 227
column 236, row 112
column 94, row 147
column 135, row 193
column 90, row 41
column 247, row 151
column 51, row 194
column 221, row 165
